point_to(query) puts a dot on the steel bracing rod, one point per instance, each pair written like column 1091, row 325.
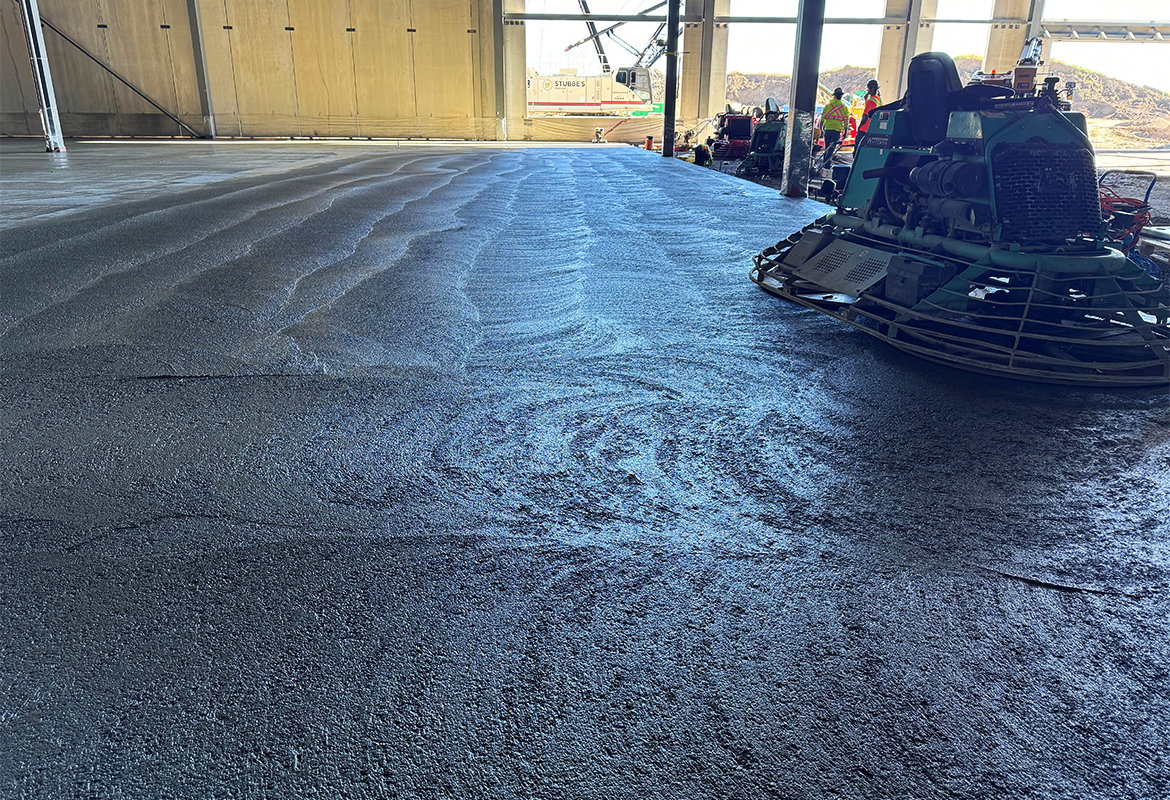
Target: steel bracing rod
column 110, row 70
column 614, row 27
column 1056, row 30
column 593, row 36
column 592, row 26
column 47, row 98
column 652, row 51
column 629, row 48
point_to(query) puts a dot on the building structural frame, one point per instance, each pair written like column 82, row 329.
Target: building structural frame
column 907, row 29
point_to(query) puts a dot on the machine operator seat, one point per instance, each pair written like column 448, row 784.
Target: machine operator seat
column 932, row 82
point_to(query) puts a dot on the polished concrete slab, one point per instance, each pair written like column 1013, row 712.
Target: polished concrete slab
column 481, row 472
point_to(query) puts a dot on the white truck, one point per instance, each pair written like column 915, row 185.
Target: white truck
column 623, row 92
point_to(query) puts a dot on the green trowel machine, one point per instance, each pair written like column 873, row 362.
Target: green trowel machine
column 766, row 151
column 970, row 233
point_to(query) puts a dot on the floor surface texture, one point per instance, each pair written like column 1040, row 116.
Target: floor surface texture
column 472, row 472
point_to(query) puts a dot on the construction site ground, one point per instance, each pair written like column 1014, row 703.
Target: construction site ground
column 476, row 471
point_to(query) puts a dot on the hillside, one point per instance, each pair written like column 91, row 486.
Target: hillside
column 1120, row 113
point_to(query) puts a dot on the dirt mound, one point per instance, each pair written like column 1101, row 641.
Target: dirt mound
column 1120, row 114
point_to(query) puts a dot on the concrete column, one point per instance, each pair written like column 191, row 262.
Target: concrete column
column 703, row 90
column 903, row 41
column 798, row 141
column 515, row 73
column 1008, row 33
column 692, row 50
column 713, row 93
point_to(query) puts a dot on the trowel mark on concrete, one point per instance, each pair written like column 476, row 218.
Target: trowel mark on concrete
column 576, row 506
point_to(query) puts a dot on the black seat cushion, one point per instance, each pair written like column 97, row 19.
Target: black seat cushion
column 932, row 83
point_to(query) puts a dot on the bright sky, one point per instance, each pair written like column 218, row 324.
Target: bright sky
column 769, row 47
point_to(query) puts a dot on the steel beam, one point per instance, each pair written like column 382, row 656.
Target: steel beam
column 718, row 19
column 201, row 68
column 1058, row 29
column 30, row 16
column 1088, row 31
column 803, row 99
column 671, row 100
column 527, row 16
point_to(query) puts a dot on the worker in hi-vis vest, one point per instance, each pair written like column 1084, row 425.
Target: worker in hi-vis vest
column 833, row 118
column 873, row 99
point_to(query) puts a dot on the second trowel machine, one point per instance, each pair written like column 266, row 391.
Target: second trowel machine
column 970, row 233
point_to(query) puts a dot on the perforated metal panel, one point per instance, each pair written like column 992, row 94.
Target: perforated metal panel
column 846, row 268
column 1044, row 192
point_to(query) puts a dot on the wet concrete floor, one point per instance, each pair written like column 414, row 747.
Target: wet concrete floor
column 367, row 472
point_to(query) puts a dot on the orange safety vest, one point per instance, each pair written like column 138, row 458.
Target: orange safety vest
column 872, row 101
column 834, row 115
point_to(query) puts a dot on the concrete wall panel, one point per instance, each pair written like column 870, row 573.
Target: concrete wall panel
column 18, row 100
column 383, row 64
column 262, row 57
column 86, row 99
column 221, row 71
column 149, row 43
column 323, row 60
column 135, row 44
column 444, row 83
column 409, row 68
column 182, row 62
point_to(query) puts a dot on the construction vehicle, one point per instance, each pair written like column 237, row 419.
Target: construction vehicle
column 766, row 151
column 733, row 133
column 970, row 233
column 626, row 92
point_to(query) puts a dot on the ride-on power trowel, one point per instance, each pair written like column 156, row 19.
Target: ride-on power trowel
column 766, row 151
column 970, row 233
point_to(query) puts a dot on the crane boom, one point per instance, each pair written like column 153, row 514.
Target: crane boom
column 596, row 37
column 645, row 57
